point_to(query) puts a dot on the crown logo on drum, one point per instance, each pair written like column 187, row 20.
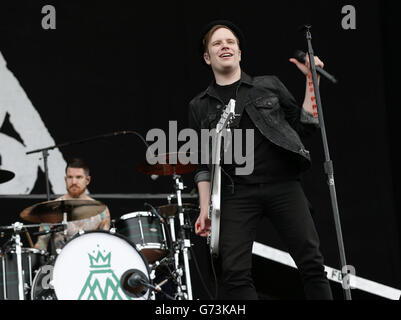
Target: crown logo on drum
column 100, row 260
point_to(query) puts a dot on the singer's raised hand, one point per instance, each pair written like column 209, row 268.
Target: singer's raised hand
column 305, row 67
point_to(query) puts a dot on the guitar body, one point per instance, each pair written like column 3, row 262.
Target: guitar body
column 215, row 188
column 214, row 212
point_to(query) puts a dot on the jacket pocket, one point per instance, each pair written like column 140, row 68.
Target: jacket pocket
column 269, row 109
column 271, row 102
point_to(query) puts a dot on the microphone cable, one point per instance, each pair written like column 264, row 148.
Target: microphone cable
column 198, row 269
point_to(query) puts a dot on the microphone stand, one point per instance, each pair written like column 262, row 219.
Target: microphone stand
column 45, row 154
column 328, row 167
column 45, row 151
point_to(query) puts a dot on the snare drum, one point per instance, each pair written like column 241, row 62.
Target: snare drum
column 90, row 267
column 146, row 231
column 31, row 260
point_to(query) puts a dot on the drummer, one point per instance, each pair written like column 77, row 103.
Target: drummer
column 77, row 180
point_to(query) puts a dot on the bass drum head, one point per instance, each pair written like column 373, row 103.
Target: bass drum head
column 90, row 266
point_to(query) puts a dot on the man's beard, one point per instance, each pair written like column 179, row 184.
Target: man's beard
column 75, row 191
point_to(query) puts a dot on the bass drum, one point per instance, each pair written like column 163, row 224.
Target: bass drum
column 90, row 266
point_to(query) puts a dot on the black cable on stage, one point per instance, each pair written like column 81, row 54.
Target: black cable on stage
column 198, row 269
column 215, row 277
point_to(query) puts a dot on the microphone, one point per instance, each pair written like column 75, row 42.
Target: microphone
column 135, row 280
column 301, row 57
column 134, row 283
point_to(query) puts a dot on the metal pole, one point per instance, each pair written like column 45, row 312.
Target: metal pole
column 328, row 168
column 45, row 154
column 18, row 252
column 185, row 243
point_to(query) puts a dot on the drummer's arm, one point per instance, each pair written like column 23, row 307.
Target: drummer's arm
column 43, row 241
column 105, row 223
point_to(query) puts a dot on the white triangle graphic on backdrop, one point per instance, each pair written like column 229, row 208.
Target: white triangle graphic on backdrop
column 25, row 120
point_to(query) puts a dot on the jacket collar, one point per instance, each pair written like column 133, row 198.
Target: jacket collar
column 245, row 79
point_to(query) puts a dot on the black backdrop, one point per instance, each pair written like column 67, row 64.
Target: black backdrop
column 115, row 66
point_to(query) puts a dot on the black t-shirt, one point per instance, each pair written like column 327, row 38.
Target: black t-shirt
column 271, row 162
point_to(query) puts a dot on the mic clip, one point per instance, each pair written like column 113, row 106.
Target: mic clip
column 155, row 211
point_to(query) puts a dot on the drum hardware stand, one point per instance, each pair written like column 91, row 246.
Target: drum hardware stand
column 328, row 166
column 64, row 223
column 45, row 154
column 4, row 279
column 113, row 225
column 152, row 276
column 183, row 244
column 54, row 250
column 55, row 229
column 176, row 250
column 157, row 288
column 18, row 245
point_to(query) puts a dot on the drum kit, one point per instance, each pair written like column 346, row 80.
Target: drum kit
column 144, row 255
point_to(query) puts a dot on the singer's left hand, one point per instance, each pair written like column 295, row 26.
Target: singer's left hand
column 305, row 67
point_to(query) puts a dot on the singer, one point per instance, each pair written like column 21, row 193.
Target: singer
column 77, row 180
column 273, row 189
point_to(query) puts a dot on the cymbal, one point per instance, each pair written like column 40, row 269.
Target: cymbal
column 6, row 175
column 166, row 169
column 52, row 211
column 172, row 208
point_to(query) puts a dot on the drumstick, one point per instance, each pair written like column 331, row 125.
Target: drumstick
column 29, row 238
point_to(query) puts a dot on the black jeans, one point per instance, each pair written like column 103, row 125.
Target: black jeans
column 287, row 208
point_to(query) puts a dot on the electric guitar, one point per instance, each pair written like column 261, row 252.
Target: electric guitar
column 215, row 179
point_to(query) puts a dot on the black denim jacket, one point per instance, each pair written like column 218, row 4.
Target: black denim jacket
column 271, row 107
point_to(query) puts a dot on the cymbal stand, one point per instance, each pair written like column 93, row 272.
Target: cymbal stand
column 45, row 154
column 18, row 245
column 65, row 224
column 55, row 251
column 177, row 268
column 183, row 243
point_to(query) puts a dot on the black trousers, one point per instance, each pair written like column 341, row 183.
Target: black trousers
column 287, row 208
